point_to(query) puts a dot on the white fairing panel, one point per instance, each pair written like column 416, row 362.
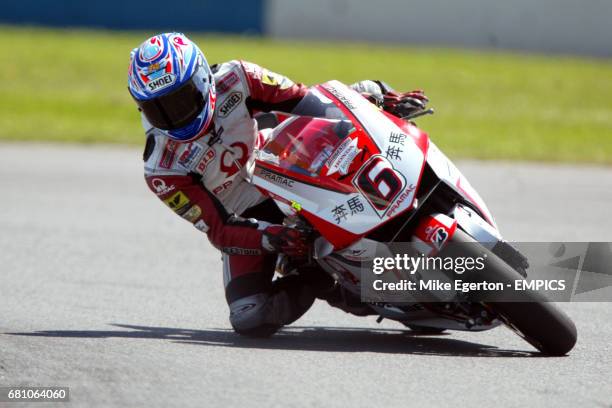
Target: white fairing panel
column 406, row 159
column 446, row 170
column 476, row 227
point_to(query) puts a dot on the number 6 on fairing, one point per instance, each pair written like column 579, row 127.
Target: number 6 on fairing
column 379, row 182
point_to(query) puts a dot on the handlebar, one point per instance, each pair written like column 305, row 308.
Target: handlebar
column 420, row 113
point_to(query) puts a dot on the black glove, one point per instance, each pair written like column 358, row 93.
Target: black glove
column 290, row 241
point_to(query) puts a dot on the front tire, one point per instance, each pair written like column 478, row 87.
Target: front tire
column 539, row 322
column 543, row 325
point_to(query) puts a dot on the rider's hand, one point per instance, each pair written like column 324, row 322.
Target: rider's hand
column 290, row 241
column 404, row 104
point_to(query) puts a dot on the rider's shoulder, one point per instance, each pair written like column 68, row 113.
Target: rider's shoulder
column 161, row 154
column 246, row 68
column 230, row 75
column 222, row 69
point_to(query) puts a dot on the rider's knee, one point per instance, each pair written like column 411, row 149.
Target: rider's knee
column 263, row 314
column 251, row 316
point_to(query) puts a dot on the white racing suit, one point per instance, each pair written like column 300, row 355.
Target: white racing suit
column 204, row 182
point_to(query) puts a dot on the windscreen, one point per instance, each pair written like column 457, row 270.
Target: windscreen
column 304, row 143
column 317, row 105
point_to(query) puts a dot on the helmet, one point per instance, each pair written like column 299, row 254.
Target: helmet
column 173, row 86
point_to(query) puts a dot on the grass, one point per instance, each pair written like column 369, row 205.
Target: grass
column 70, row 86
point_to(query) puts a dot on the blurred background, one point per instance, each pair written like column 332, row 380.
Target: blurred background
column 519, row 80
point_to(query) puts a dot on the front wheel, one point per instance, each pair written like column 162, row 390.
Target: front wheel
column 543, row 325
column 539, row 322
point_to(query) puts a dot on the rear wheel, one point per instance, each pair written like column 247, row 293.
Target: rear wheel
column 539, row 322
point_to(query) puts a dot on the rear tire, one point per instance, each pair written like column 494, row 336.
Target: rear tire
column 541, row 323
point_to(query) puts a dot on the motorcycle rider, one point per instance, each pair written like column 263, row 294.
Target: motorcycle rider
column 201, row 134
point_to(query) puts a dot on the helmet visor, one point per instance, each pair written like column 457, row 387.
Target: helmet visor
column 176, row 109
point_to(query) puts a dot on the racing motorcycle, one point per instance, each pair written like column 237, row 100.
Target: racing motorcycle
column 361, row 179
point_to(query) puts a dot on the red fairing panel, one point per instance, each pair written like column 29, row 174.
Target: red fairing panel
column 433, row 232
column 348, row 175
column 194, row 203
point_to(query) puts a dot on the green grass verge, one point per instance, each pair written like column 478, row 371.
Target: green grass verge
column 70, row 86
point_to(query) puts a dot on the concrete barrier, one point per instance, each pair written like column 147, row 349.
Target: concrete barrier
column 559, row 26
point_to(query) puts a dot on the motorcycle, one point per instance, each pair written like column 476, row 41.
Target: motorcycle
column 361, row 179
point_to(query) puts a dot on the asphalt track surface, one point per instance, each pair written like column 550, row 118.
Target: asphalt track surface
column 104, row 290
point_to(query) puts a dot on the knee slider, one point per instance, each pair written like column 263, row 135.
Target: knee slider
column 252, row 316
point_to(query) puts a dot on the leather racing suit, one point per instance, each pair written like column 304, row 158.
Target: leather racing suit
column 204, row 182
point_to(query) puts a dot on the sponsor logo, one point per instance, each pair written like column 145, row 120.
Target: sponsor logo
column 435, row 231
column 230, row 103
column 397, row 138
column 437, row 236
column 237, row 162
column 341, row 213
column 178, row 202
column 216, row 136
column 241, row 251
column 168, row 156
column 400, row 200
column 343, row 156
column 276, row 178
column 154, row 68
column 341, row 97
column 274, row 79
column 189, row 156
column 321, row 158
column 160, row 186
column 201, row 226
column 226, row 83
column 208, row 157
column 217, row 190
column 193, row 213
column 161, row 82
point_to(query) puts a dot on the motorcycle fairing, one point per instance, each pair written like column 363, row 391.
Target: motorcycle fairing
column 347, row 175
column 446, row 170
column 315, row 166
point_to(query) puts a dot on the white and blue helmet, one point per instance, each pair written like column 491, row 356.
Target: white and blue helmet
column 173, row 86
